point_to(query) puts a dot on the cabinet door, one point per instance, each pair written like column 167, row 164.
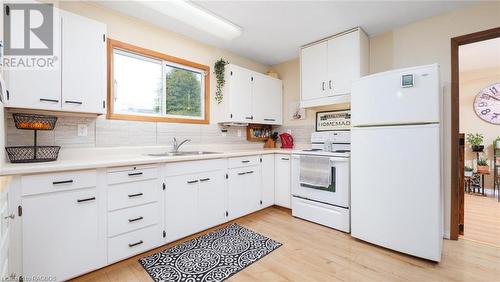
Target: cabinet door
column 211, row 199
column 267, row 99
column 267, row 177
column 83, row 64
column 181, row 197
column 253, row 183
column 37, row 88
column 282, row 194
column 240, row 94
column 62, row 236
column 313, row 71
column 237, row 200
column 343, row 63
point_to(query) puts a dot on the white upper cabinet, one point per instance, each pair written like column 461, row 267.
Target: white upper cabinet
column 83, row 64
column 251, row 97
column 329, row 67
column 78, row 82
column 266, row 99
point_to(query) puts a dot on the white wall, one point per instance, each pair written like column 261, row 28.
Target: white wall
column 421, row 43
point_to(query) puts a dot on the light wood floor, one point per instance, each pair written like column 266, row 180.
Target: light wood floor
column 482, row 219
column 311, row 252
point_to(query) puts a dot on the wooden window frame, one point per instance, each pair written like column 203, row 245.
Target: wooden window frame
column 115, row 44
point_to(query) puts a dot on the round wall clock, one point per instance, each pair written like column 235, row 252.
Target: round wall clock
column 487, row 104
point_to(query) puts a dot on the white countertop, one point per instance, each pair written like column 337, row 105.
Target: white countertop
column 76, row 159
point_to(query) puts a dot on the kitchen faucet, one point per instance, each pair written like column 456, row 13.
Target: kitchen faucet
column 178, row 145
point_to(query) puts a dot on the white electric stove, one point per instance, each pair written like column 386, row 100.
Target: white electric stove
column 321, row 180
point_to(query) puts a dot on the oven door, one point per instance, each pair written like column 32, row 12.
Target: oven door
column 336, row 193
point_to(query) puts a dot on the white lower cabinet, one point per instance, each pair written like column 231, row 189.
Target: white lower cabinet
column 133, row 243
column 211, row 199
column 244, row 191
column 62, row 234
column 282, row 191
column 267, row 177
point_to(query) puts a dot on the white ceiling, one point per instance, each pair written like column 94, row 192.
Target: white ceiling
column 480, row 55
column 274, row 30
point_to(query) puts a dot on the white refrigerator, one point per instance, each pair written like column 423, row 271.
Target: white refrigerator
column 396, row 161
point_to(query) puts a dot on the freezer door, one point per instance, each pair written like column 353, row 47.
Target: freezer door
column 380, row 99
column 396, row 194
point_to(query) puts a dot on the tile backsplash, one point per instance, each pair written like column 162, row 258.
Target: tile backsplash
column 103, row 132
column 113, row 133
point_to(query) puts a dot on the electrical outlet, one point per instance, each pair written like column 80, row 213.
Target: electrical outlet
column 239, row 132
column 83, row 130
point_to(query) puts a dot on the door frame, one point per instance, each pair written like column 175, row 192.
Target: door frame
column 455, row 121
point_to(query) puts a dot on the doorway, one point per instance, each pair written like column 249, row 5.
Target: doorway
column 475, row 94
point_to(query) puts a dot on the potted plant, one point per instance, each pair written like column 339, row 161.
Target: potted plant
column 476, row 141
column 496, row 142
column 219, row 69
column 482, row 165
column 468, row 171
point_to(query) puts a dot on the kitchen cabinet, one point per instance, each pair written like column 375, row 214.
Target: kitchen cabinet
column 329, row 66
column 250, row 97
column 66, row 239
column 244, row 191
column 194, row 197
column 77, row 83
column 282, row 191
column 5, row 218
column 267, row 176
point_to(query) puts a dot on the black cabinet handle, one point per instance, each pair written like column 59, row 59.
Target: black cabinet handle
column 73, row 102
column 330, row 84
column 135, row 195
column 247, row 161
column 241, row 173
column 135, row 173
column 85, row 200
column 250, row 117
column 192, row 181
column 135, row 244
column 204, row 179
column 62, row 182
column 285, row 159
column 250, row 172
column 136, row 219
column 270, row 119
column 323, row 86
column 49, row 100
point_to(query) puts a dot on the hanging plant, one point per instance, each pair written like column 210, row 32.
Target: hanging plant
column 219, row 75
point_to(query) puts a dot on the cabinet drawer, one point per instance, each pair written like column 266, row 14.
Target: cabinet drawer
column 243, row 161
column 132, row 194
column 131, row 174
column 134, row 218
column 133, row 243
column 54, row 182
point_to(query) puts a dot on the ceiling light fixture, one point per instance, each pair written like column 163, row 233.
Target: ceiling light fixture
column 195, row 16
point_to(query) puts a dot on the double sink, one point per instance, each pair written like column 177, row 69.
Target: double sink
column 182, row 153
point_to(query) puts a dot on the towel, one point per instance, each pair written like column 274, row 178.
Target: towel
column 315, row 171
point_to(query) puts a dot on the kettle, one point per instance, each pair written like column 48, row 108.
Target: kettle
column 286, row 141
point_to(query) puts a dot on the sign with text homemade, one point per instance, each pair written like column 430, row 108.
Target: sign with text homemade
column 333, row 120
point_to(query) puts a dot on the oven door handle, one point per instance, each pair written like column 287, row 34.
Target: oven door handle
column 318, row 187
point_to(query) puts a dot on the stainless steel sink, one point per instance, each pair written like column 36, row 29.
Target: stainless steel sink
column 182, row 153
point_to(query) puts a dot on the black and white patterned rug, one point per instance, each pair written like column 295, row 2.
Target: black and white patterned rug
column 211, row 257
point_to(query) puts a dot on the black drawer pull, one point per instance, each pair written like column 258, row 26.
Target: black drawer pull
column 136, row 219
column 241, row 173
column 73, row 102
column 250, row 172
column 285, row 159
column 192, row 181
column 135, row 195
column 135, row 173
column 85, row 200
column 246, row 161
column 270, row 119
column 251, row 117
column 62, row 182
column 49, row 100
column 204, row 179
column 135, row 244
